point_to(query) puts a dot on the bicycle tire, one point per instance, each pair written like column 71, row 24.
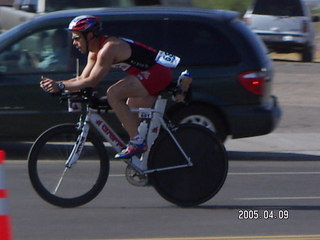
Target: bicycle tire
column 46, row 163
column 194, row 185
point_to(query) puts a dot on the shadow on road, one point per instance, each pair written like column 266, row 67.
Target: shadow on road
column 292, row 60
column 271, row 156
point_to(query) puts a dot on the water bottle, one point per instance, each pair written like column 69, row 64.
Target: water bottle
column 183, row 85
column 142, row 129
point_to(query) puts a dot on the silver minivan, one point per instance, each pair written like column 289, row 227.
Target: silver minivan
column 285, row 26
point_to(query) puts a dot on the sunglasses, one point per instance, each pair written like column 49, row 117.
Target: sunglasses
column 76, row 38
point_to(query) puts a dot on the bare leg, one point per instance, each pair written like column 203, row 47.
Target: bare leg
column 128, row 91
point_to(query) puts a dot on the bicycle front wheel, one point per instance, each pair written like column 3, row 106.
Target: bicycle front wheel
column 196, row 184
column 60, row 185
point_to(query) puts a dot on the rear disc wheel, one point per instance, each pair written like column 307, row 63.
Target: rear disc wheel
column 194, row 185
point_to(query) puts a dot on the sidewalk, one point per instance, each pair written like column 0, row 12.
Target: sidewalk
column 295, row 146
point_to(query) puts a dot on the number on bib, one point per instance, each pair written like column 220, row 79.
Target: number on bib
column 167, row 59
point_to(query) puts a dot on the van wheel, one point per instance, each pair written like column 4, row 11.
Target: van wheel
column 307, row 54
column 203, row 116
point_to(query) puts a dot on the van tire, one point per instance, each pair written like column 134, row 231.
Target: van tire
column 307, row 54
column 204, row 116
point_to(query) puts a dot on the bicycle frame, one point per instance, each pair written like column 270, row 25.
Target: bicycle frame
column 155, row 115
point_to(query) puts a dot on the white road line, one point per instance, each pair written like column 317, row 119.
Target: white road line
column 279, row 198
column 117, row 175
column 264, row 173
column 251, row 173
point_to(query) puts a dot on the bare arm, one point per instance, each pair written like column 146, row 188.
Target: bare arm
column 96, row 69
column 50, row 85
column 82, row 81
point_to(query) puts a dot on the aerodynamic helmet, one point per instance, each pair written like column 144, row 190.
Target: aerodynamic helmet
column 85, row 23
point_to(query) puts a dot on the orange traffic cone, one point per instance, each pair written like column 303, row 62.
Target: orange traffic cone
column 5, row 227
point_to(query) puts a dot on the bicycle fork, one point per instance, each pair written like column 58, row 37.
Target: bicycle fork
column 75, row 153
column 77, row 148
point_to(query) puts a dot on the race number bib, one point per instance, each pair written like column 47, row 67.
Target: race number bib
column 167, row 59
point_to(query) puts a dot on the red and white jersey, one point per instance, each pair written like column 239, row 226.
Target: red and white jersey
column 144, row 57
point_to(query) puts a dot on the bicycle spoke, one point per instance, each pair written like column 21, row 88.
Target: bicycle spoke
column 60, row 180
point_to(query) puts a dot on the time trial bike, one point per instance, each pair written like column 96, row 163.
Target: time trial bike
column 69, row 164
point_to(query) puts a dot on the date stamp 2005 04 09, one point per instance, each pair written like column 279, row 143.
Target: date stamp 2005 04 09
column 267, row 214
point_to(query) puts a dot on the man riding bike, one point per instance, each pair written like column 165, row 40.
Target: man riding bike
column 148, row 74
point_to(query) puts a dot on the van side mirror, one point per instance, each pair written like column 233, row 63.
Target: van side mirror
column 315, row 18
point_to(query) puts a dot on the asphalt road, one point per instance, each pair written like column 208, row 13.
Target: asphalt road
column 274, row 175
column 286, row 191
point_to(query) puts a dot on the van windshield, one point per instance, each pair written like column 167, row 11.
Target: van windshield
column 278, row 7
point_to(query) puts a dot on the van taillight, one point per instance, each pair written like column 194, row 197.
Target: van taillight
column 253, row 81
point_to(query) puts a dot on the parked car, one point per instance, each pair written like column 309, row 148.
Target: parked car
column 285, row 26
column 232, row 74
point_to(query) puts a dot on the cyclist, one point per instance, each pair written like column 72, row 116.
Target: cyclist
column 148, row 73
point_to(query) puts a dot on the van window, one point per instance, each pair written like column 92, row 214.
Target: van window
column 43, row 51
column 278, row 7
column 195, row 43
column 199, row 44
